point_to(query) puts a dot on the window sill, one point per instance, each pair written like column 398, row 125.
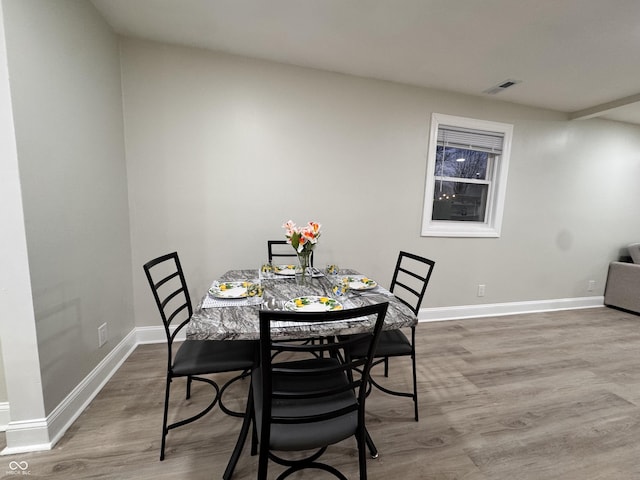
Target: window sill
column 459, row 229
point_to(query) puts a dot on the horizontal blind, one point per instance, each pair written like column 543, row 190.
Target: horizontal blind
column 470, row 139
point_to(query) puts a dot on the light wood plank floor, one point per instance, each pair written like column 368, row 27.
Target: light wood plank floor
column 527, row 397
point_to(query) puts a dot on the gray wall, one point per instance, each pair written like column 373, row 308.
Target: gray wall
column 221, row 150
column 4, row 396
column 65, row 84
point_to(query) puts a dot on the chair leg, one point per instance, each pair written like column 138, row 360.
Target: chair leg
column 193, row 418
column 223, row 407
column 373, row 450
column 362, row 456
column 415, row 386
column 165, row 417
column 415, row 380
column 413, row 394
column 189, row 380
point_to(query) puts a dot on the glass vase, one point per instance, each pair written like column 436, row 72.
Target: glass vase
column 304, row 264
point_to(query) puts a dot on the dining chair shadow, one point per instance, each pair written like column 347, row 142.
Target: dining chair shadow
column 192, row 358
column 311, row 400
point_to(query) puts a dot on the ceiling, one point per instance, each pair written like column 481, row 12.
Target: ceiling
column 575, row 56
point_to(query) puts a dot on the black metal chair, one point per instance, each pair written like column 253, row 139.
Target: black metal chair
column 409, row 284
column 193, row 358
column 275, row 249
column 308, row 402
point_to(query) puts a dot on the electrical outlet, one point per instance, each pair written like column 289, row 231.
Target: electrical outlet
column 592, row 286
column 102, row 335
column 481, row 290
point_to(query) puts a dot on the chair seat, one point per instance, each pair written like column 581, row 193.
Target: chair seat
column 392, row 343
column 298, row 436
column 200, row 357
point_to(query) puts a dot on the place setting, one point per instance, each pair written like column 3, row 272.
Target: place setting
column 234, row 294
column 290, row 271
column 354, row 283
column 313, row 303
column 358, row 285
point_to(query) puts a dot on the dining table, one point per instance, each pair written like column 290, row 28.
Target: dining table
column 217, row 318
column 231, row 317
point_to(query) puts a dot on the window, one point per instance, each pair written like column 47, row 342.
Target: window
column 467, row 165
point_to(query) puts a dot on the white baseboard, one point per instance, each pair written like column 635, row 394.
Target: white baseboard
column 42, row 434
column 27, row 436
column 512, row 308
column 4, row 416
column 80, row 397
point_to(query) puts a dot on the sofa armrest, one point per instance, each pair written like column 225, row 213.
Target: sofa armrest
column 623, row 286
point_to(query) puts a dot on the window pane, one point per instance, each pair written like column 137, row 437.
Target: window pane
column 459, row 202
column 461, row 163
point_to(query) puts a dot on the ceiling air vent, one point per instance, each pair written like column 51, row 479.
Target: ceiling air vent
column 501, row 86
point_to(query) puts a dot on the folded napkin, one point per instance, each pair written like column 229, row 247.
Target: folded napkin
column 213, row 302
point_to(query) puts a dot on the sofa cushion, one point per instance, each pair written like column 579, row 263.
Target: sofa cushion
column 634, row 251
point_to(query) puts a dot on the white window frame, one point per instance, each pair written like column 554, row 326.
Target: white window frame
column 492, row 225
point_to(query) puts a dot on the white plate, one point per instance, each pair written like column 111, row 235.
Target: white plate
column 229, row 289
column 284, row 269
column 360, row 283
column 311, row 303
column 290, row 270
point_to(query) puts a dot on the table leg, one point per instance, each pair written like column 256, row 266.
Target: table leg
column 244, row 430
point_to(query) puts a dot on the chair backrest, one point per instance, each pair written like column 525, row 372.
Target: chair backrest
column 270, row 347
column 280, row 248
column 410, row 279
column 170, row 292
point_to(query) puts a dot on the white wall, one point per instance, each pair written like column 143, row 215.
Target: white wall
column 64, row 70
column 21, row 366
column 221, row 150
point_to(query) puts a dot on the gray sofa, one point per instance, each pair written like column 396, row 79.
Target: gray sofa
column 623, row 282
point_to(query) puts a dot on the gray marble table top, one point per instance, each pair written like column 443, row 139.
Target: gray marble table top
column 240, row 322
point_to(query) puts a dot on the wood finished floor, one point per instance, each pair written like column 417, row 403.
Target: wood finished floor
column 527, row 397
